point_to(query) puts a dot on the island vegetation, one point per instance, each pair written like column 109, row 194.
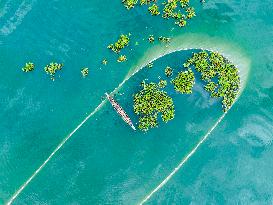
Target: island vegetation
column 52, row 68
column 122, row 58
column 184, row 82
column 179, row 10
column 149, row 102
column 221, row 79
column 129, row 3
column 181, row 22
column 162, row 83
column 151, row 38
column 220, row 75
column 104, row 61
column 85, row 72
column 116, row 47
column 28, row 67
column 146, row 2
column 150, row 65
column 168, row 71
column 190, row 12
column 121, row 43
column 154, row 10
column 164, row 39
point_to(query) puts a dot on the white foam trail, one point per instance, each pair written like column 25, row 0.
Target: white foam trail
column 4, row 10
column 17, row 18
column 53, row 153
column 185, row 159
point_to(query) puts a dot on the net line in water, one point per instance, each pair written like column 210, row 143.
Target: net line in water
column 184, row 160
column 187, row 157
column 24, row 185
column 53, row 153
column 244, row 65
column 147, row 59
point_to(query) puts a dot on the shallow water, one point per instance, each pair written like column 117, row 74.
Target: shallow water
column 104, row 162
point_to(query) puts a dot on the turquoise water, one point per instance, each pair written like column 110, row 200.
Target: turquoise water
column 104, row 162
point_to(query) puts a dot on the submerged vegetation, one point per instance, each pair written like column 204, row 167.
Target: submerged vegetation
column 28, row 67
column 149, row 102
column 184, row 82
column 221, row 76
column 52, row 68
column 179, row 10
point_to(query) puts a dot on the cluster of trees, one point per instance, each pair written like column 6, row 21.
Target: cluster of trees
column 162, row 83
column 221, row 76
column 129, row 3
column 104, row 61
column 28, row 67
column 121, row 43
column 149, row 102
column 168, row 71
column 85, row 72
column 221, row 79
column 151, row 38
column 164, row 39
column 154, row 10
column 184, row 82
column 179, row 10
column 52, row 68
column 150, row 65
column 152, row 100
column 147, row 2
column 122, row 58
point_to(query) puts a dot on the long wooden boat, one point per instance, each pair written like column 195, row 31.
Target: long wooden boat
column 120, row 111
